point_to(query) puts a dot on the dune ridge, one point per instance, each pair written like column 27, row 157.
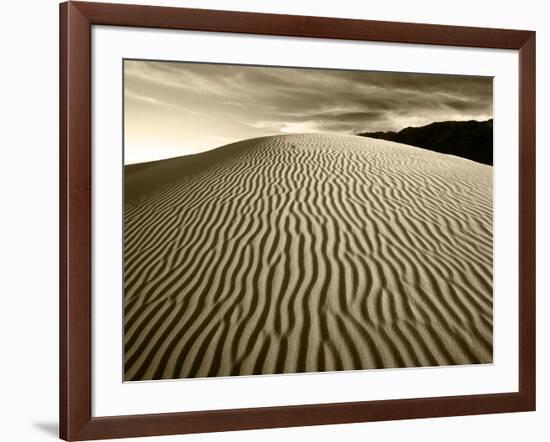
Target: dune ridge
column 306, row 253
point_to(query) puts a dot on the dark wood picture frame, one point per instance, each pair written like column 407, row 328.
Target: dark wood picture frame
column 76, row 421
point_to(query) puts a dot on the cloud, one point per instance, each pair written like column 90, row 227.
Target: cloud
column 203, row 101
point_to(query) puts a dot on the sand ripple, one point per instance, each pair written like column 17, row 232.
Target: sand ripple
column 306, row 253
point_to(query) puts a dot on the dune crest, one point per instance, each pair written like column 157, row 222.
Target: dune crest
column 306, row 253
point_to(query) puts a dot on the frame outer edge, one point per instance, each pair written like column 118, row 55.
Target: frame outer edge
column 63, row 400
column 167, row 17
column 527, row 224
column 75, row 241
column 76, row 422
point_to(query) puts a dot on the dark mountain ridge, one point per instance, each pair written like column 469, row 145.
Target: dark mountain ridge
column 467, row 139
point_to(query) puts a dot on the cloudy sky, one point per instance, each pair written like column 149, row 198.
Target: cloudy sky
column 179, row 108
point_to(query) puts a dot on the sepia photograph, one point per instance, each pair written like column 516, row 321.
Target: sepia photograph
column 283, row 220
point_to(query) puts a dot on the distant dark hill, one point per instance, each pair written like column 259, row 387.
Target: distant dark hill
column 467, row 139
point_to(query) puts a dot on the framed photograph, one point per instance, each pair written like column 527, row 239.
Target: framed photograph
column 274, row 220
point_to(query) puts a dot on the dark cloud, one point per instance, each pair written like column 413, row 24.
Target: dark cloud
column 208, row 103
column 352, row 117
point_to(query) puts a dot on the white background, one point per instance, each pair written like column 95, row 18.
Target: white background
column 112, row 397
column 28, row 241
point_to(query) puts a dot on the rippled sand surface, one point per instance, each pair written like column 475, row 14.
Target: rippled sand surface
column 306, row 253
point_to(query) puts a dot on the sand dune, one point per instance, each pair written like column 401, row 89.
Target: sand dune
column 310, row 252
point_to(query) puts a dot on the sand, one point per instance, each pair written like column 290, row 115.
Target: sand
column 306, row 253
